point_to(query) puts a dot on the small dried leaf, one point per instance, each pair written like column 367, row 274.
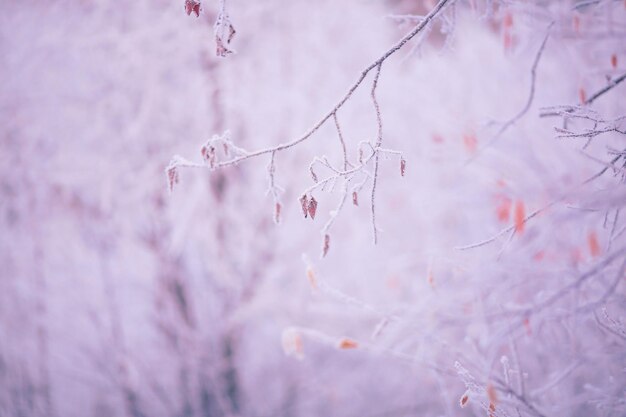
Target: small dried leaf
column 431, row 279
column 594, row 245
column 192, row 6
column 503, row 210
column 277, row 210
column 326, row 245
column 527, row 326
column 582, row 95
column 346, row 343
column 312, row 208
column 614, row 61
column 402, row 166
column 209, row 156
column 464, row 399
column 470, row 142
column 493, row 397
column 304, row 201
column 507, row 40
column 355, row 198
column 576, row 23
column 507, row 22
column 172, row 176
column 311, row 277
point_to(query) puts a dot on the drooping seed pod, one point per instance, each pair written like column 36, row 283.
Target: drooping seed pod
column 277, row 210
column 464, row 399
column 304, row 201
column 172, row 176
column 312, row 207
column 326, row 245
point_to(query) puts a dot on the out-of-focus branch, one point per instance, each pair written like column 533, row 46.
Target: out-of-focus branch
column 606, row 89
column 529, row 101
column 512, row 227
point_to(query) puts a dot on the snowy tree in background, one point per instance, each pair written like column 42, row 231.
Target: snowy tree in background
column 480, row 144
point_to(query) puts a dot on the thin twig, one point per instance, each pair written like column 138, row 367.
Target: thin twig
column 529, row 101
column 606, row 89
column 379, row 141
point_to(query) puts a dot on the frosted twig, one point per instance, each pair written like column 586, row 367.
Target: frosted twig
column 606, row 89
column 342, row 142
column 379, row 140
column 333, row 216
column 273, row 189
column 588, row 134
column 590, row 100
column 406, row 17
column 224, row 31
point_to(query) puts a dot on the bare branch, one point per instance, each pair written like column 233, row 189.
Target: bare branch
column 529, row 101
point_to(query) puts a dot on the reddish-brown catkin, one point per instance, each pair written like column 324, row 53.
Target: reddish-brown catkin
column 346, row 343
column 312, row 208
column 277, row 210
column 582, row 95
column 594, row 245
column 464, row 400
column 326, row 245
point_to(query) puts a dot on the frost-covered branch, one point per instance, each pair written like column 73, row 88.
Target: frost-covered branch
column 214, row 162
